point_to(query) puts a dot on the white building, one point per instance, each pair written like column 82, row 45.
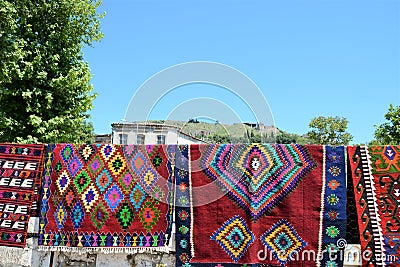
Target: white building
column 136, row 133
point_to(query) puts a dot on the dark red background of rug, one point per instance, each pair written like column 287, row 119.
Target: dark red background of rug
column 301, row 208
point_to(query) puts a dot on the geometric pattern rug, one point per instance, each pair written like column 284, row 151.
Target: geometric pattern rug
column 20, row 176
column 106, row 198
column 259, row 204
column 375, row 172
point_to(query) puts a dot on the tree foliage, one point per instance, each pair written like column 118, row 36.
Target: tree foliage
column 45, row 89
column 388, row 133
column 286, row 138
column 289, row 138
column 329, row 131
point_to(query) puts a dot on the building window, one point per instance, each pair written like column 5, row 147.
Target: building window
column 140, row 139
column 123, row 139
column 160, row 139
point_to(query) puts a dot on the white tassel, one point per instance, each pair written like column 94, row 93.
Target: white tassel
column 321, row 215
column 191, row 204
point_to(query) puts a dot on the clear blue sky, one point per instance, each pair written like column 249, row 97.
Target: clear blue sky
column 308, row 57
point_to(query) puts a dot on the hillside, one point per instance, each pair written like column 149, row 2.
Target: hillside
column 235, row 133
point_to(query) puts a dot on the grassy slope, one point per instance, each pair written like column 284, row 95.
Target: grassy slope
column 214, row 132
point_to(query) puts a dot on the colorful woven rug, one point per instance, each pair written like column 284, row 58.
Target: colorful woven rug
column 20, row 174
column 106, row 198
column 376, row 177
column 260, row 205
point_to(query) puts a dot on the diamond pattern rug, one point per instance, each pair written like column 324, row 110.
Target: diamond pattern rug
column 258, row 205
column 20, row 175
column 249, row 173
column 283, row 241
column 234, row 237
column 106, row 198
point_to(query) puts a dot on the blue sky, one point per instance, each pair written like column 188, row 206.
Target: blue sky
column 308, row 57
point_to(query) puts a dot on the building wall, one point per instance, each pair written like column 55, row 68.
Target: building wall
column 182, row 139
column 30, row 256
column 102, row 138
column 172, row 135
column 150, row 137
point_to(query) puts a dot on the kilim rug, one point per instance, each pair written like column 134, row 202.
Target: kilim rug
column 376, row 177
column 260, row 205
column 106, row 198
column 20, row 174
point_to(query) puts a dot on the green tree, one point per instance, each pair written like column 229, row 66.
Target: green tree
column 45, row 89
column 329, row 131
column 288, row 138
column 388, row 133
column 285, row 138
column 269, row 137
column 255, row 137
column 220, row 139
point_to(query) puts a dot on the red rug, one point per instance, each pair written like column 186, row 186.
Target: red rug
column 376, row 177
column 252, row 205
column 20, row 174
column 106, row 198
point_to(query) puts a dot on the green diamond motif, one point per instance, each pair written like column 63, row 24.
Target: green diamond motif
column 81, row 181
column 149, row 214
column 67, row 152
column 125, row 215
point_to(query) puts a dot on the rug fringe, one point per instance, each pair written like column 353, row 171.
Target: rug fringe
column 106, row 250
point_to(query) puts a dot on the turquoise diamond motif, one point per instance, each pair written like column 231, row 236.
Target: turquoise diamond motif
column 283, row 241
column 137, row 197
column 103, row 180
column 236, row 237
column 77, row 215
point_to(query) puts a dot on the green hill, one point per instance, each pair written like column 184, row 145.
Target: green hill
column 235, row 133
